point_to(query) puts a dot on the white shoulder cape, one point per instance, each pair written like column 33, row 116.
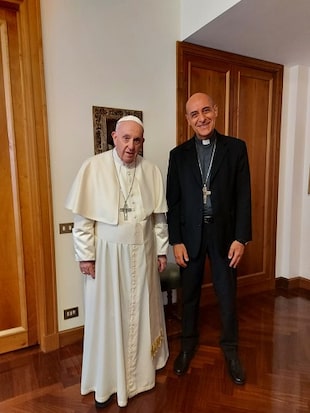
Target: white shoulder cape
column 95, row 191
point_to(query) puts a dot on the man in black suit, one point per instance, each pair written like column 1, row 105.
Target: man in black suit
column 209, row 215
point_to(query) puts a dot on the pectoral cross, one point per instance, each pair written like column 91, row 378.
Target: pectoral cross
column 205, row 193
column 125, row 211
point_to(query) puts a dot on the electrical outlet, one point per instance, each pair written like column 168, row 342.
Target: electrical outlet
column 65, row 228
column 71, row 313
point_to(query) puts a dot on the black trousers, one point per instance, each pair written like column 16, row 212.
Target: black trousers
column 225, row 286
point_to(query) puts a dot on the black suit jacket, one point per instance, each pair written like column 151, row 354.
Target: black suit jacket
column 230, row 194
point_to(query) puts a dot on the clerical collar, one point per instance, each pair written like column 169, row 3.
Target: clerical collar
column 205, row 142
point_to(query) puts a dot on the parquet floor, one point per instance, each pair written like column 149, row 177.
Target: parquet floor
column 274, row 346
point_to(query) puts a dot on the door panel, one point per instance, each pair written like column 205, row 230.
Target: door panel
column 27, row 274
column 217, row 81
column 13, row 312
column 248, row 93
column 253, row 124
column 203, row 74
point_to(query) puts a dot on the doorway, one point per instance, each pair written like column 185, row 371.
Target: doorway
column 248, row 93
column 28, row 289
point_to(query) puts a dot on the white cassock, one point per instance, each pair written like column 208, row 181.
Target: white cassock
column 125, row 336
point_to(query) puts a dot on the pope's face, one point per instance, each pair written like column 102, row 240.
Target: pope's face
column 128, row 140
column 201, row 114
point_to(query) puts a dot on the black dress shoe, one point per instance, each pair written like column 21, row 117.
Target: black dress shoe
column 101, row 405
column 182, row 362
column 235, row 370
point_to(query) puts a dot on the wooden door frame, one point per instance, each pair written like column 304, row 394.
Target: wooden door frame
column 37, row 214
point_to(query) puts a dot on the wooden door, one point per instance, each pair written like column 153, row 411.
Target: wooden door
column 248, row 93
column 27, row 276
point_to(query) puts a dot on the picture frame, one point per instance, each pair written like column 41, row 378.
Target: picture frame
column 104, row 122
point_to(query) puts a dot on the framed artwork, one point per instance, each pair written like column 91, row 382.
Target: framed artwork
column 104, row 121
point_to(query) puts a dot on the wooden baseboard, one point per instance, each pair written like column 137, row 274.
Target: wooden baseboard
column 71, row 336
column 76, row 334
column 295, row 282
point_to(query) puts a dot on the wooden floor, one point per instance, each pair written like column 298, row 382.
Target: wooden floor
column 274, row 346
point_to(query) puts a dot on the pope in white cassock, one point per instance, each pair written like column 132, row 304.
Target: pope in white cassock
column 121, row 240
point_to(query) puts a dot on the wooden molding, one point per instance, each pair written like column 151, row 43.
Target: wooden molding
column 50, row 342
column 47, row 293
column 292, row 283
column 71, row 336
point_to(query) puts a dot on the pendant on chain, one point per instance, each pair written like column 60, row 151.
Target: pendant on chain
column 125, row 211
column 205, row 192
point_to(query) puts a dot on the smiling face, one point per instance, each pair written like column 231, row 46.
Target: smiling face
column 201, row 113
column 128, row 140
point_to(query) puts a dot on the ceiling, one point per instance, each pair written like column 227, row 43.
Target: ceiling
column 274, row 30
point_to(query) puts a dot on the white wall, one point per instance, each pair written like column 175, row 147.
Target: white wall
column 293, row 237
column 110, row 53
column 197, row 13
